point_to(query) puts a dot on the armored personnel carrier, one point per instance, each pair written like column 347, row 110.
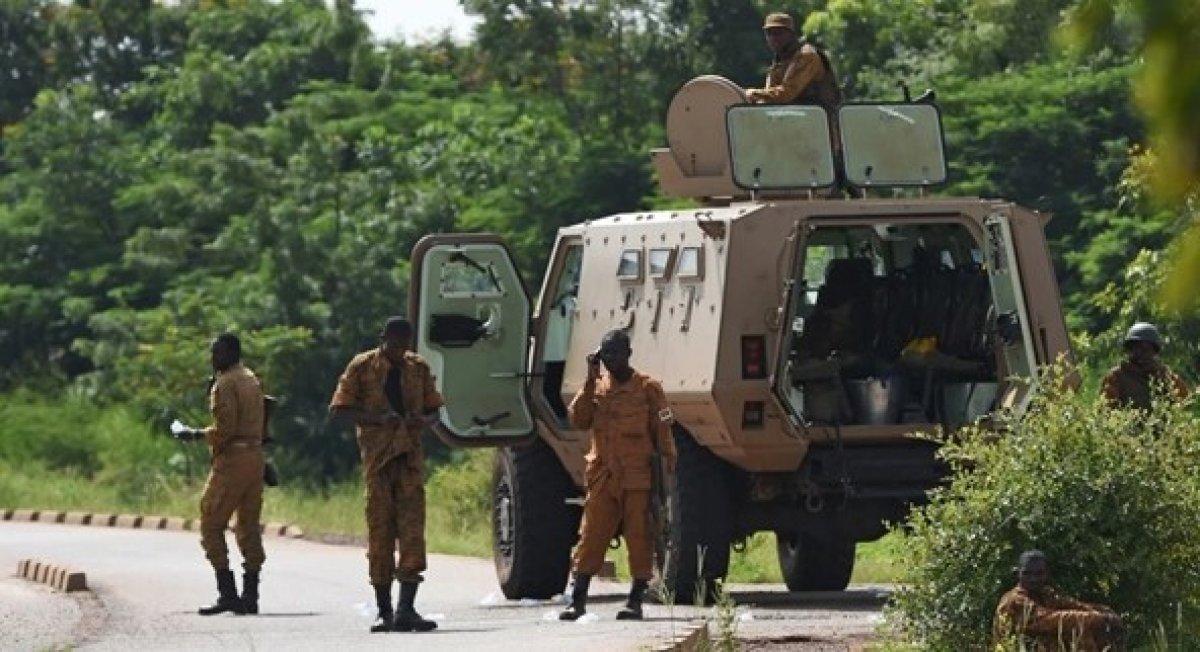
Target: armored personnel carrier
column 808, row 315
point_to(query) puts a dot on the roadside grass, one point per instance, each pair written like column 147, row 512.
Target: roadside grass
column 457, row 513
column 458, row 518
column 877, row 562
column 758, row 563
column 36, row 487
column 69, row 454
column 456, row 497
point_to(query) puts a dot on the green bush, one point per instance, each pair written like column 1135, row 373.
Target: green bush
column 1111, row 496
column 458, row 496
column 136, row 460
column 70, row 434
column 58, row 436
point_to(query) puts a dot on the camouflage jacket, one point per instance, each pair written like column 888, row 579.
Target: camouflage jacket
column 361, row 387
column 1127, row 385
column 1050, row 621
column 802, row 77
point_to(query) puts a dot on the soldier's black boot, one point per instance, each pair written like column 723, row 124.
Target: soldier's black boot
column 227, row 597
column 579, row 592
column 407, row 618
column 383, row 602
column 250, row 592
column 633, row 606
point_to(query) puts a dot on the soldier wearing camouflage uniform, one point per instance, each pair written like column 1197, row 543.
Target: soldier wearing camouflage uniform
column 1134, row 382
column 800, row 73
column 235, row 481
column 390, row 395
column 1040, row 619
column 629, row 418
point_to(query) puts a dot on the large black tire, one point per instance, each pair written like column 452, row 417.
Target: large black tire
column 701, row 525
column 533, row 528
column 811, row 563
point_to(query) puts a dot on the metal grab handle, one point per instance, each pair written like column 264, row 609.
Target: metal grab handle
column 490, row 421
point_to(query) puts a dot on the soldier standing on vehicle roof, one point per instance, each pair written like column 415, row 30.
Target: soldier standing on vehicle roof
column 235, row 482
column 800, row 72
column 629, row 418
column 391, row 396
column 1134, row 381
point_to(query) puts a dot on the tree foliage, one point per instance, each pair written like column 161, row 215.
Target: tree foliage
column 1168, row 86
column 168, row 171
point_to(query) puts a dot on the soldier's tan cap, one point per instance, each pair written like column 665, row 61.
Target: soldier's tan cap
column 779, row 20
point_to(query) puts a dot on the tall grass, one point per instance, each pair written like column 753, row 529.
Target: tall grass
column 69, row 454
column 456, row 522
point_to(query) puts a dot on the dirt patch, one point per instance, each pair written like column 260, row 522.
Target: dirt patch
column 93, row 616
column 802, row 643
column 337, row 539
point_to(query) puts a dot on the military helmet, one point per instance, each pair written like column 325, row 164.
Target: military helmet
column 1144, row 332
column 779, row 20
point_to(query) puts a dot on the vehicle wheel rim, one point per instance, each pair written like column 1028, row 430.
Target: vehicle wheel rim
column 503, row 518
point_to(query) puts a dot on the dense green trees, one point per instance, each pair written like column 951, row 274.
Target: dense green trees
column 169, row 171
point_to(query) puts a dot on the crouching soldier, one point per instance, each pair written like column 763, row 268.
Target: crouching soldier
column 1043, row 620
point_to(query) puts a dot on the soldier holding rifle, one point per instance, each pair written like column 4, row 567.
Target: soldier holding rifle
column 630, row 421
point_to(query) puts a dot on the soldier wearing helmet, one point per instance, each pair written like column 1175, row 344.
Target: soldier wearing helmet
column 800, row 72
column 1134, row 382
column 629, row 418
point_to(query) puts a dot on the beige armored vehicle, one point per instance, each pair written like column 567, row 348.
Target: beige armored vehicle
column 802, row 335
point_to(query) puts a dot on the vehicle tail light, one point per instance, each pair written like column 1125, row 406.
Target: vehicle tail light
column 754, row 357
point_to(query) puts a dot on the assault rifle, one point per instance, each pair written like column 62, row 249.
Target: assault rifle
column 660, row 501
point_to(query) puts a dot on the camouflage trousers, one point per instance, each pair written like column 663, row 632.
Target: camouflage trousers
column 606, row 510
column 235, row 485
column 396, row 519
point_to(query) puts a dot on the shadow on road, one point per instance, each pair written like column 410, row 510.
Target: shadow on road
column 269, row 614
column 282, row 614
column 851, row 600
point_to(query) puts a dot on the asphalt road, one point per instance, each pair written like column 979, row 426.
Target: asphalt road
column 146, row 585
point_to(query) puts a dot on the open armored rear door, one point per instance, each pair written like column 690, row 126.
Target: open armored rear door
column 795, row 294
column 1014, row 333
column 472, row 317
